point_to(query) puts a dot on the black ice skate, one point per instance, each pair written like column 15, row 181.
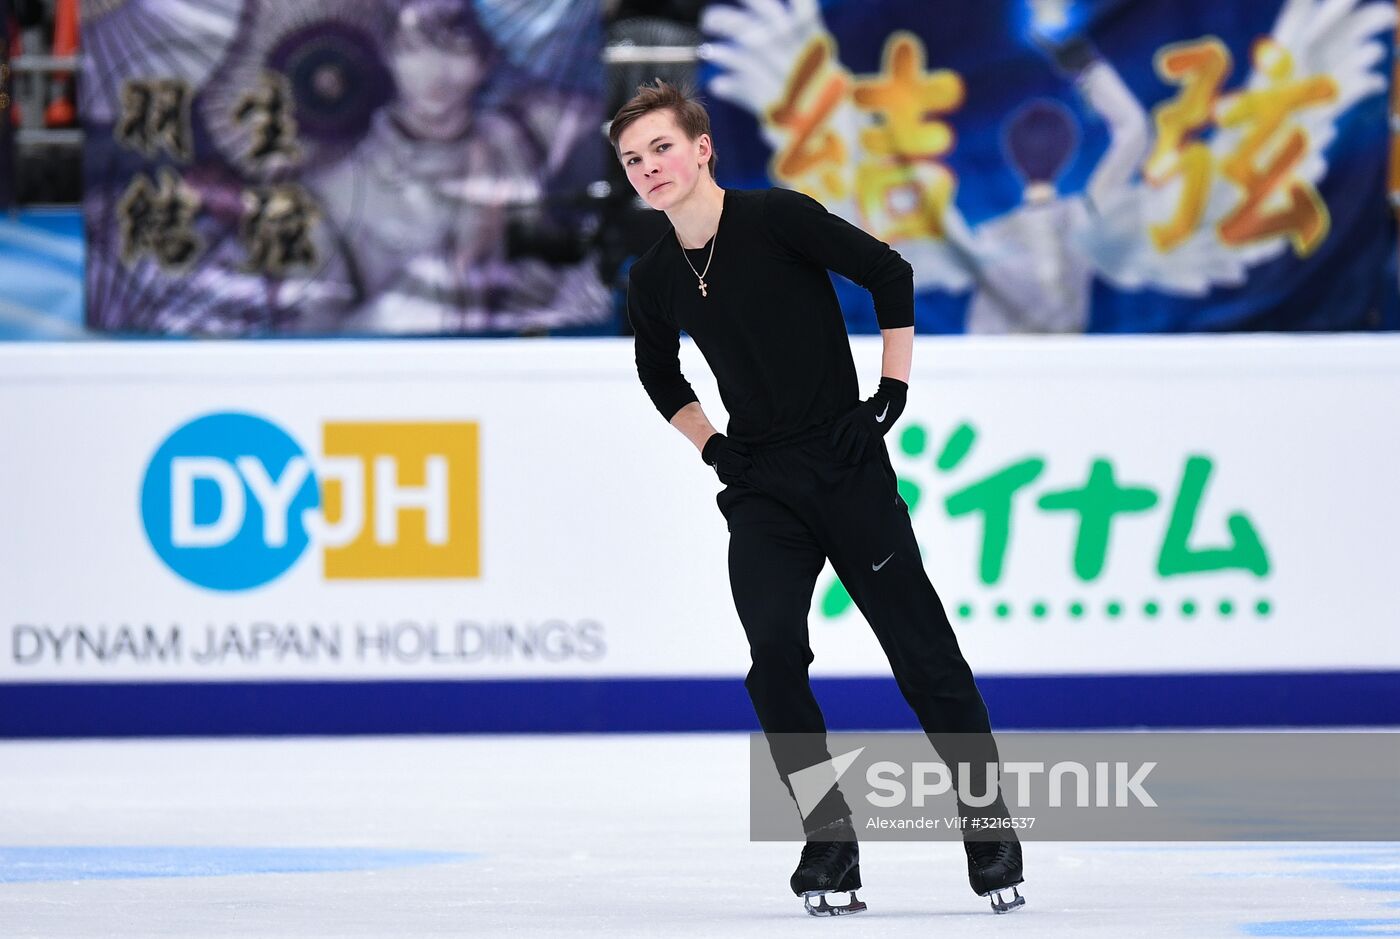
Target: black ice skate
column 828, row 867
column 993, row 868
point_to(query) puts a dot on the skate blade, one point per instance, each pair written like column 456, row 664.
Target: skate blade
column 822, row 908
column 1000, row 903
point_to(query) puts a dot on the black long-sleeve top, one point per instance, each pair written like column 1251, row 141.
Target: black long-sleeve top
column 770, row 328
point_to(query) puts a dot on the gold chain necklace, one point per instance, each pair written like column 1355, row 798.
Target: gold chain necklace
column 699, row 275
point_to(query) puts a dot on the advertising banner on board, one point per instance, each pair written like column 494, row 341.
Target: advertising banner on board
column 384, row 511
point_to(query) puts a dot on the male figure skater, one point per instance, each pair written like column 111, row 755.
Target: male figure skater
column 806, row 473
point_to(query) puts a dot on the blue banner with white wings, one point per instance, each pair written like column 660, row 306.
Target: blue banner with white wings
column 1081, row 165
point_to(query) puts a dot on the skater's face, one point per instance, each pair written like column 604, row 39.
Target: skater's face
column 662, row 163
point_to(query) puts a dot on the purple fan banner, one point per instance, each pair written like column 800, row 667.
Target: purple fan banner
column 341, row 167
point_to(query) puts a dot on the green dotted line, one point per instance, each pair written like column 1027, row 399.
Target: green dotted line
column 1116, row 609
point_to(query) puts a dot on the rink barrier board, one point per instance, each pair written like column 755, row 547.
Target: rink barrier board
column 642, row 705
column 629, row 554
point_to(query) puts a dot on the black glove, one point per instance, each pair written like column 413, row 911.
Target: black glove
column 869, row 421
column 729, row 459
column 1072, row 55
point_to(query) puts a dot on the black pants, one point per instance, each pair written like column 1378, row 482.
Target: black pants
column 794, row 509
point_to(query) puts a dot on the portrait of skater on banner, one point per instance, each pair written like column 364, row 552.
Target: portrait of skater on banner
column 429, row 220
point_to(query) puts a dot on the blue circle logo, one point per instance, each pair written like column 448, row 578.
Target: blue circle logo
column 224, row 500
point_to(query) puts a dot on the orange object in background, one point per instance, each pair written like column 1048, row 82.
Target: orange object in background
column 62, row 110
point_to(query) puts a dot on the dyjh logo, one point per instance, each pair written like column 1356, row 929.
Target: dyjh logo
column 230, row 501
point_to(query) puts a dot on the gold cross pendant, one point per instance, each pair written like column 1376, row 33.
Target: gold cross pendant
column 702, row 289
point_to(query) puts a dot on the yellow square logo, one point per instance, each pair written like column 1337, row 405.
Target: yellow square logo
column 414, row 489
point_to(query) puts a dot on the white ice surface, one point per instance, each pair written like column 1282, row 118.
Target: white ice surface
column 578, row 835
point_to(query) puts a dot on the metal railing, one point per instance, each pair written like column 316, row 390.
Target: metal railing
column 628, row 54
column 29, row 78
column 32, row 63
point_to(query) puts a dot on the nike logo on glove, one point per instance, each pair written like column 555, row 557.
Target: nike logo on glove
column 876, row 567
column 880, row 419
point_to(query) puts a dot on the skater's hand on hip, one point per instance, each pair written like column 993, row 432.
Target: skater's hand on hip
column 853, row 433
column 729, row 459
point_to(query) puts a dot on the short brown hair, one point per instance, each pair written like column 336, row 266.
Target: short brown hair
column 683, row 103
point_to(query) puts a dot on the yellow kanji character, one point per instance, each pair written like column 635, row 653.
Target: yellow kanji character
column 904, row 189
column 1200, row 68
column 904, row 200
column 1264, row 112
column 814, row 91
column 908, row 100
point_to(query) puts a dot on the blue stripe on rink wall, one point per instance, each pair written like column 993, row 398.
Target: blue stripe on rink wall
column 1273, row 699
